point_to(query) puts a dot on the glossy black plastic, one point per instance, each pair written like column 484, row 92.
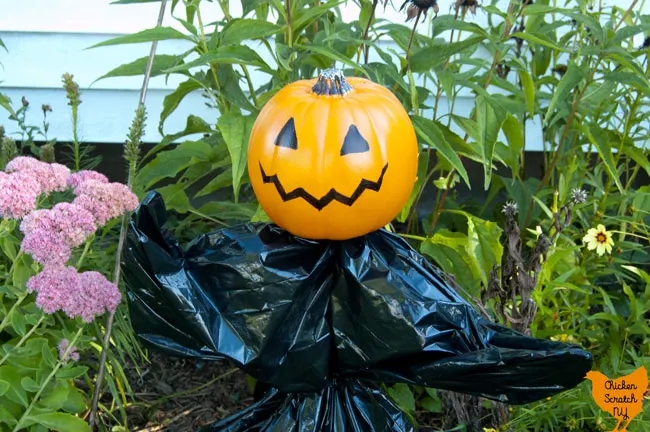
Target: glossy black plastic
column 323, row 322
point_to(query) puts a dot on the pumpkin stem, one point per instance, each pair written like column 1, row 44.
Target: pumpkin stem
column 331, row 82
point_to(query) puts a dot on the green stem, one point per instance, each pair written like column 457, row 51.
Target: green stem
column 213, row 67
column 85, row 251
column 23, row 339
column 47, row 381
column 287, row 4
column 75, row 137
column 6, row 319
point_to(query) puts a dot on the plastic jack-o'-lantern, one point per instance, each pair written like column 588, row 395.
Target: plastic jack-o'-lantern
column 332, row 158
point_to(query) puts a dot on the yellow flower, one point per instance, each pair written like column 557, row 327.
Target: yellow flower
column 489, row 430
column 600, row 239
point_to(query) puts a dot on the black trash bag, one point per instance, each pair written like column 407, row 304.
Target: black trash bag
column 321, row 321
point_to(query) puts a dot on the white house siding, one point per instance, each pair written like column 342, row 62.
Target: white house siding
column 46, row 39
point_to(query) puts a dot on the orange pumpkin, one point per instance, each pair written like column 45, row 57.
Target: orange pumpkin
column 332, row 158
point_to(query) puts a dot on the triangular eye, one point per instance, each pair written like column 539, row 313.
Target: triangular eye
column 354, row 142
column 287, row 136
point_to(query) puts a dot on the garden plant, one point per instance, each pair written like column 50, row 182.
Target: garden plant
column 553, row 244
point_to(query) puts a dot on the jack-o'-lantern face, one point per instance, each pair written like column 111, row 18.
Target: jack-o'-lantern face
column 332, row 158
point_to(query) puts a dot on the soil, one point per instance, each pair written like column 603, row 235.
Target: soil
column 175, row 395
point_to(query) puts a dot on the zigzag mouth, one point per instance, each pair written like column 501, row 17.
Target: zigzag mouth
column 332, row 195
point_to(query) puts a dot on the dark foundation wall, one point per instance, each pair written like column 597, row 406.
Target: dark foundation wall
column 114, row 167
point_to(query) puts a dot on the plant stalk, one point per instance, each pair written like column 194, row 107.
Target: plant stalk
column 92, row 421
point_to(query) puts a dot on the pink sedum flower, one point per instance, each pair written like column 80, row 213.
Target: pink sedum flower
column 54, row 288
column 79, row 177
column 46, row 247
column 50, row 177
column 18, row 194
column 60, row 173
column 96, row 295
column 105, row 200
column 79, row 295
column 63, row 347
column 72, row 222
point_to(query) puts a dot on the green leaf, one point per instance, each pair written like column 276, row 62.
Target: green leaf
column 332, row 54
column 149, row 35
column 2, row 44
column 172, row 100
column 569, row 81
column 60, row 422
column 175, row 197
column 260, row 215
column 430, row 57
column 18, row 323
column 488, row 132
column 449, row 250
column 68, row 373
column 15, row 392
column 171, row 162
column 236, row 130
column 193, row 125
column 138, row 67
column 231, row 89
column 225, row 210
column 220, row 181
column 515, row 136
column 29, row 384
column 529, row 90
column 539, row 39
column 423, row 165
column 638, row 156
column 432, row 405
column 483, row 243
column 239, row 30
column 307, row 16
column 230, row 54
column 4, row 386
column 429, row 132
column 403, row 397
column 22, row 273
column 5, row 102
column 604, row 148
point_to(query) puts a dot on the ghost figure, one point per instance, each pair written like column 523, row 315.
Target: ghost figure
column 323, row 305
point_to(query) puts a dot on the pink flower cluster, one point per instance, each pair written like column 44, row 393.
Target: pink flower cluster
column 79, row 295
column 105, row 200
column 51, row 177
column 51, row 234
column 18, row 194
column 63, row 347
column 26, row 178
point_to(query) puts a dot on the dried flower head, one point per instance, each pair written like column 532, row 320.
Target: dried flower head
column 63, row 347
column 9, row 149
column 25, row 102
column 578, row 196
column 47, row 153
column 417, row 7
column 467, row 6
column 46, row 108
column 510, row 208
